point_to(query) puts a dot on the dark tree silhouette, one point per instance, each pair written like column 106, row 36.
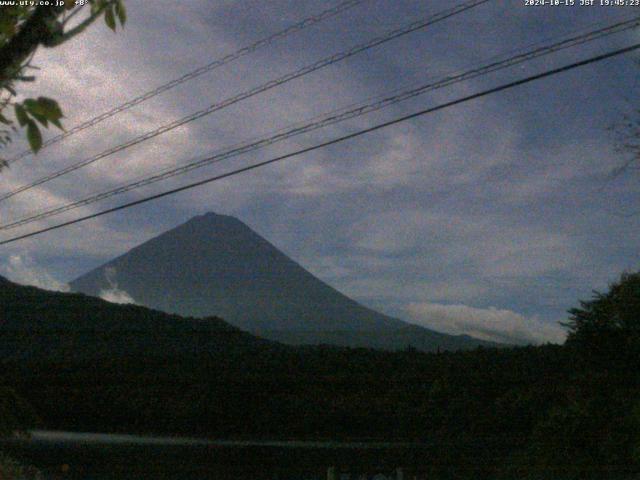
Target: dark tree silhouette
column 609, row 323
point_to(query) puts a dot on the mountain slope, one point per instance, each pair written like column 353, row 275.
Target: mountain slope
column 216, row 265
column 39, row 324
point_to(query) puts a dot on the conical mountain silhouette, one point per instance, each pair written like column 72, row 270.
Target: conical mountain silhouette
column 216, row 265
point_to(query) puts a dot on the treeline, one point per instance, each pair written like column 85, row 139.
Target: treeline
column 556, row 412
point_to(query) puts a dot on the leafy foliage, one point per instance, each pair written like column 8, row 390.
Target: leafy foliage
column 23, row 28
column 31, row 112
column 615, row 313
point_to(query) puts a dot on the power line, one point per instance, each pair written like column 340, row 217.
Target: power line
column 332, row 118
column 296, row 27
column 393, row 34
column 343, row 138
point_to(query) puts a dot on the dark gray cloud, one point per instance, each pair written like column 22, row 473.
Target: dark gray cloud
column 498, row 205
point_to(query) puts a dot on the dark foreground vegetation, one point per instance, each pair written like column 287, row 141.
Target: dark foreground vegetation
column 550, row 412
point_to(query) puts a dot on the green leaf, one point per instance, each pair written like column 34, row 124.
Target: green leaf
column 110, row 19
column 50, row 108
column 41, row 118
column 21, row 114
column 7, row 27
column 57, row 123
column 95, row 6
column 34, row 136
column 121, row 11
column 44, row 110
column 33, row 106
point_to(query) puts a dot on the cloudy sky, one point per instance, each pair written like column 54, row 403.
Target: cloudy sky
column 490, row 218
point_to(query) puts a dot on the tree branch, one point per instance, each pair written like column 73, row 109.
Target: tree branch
column 35, row 31
column 78, row 28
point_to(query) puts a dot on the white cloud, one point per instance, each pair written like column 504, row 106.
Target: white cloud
column 370, row 287
column 490, row 244
column 23, row 270
column 114, row 294
column 430, row 207
column 390, row 232
column 484, row 323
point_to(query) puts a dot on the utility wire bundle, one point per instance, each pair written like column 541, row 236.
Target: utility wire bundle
column 325, row 62
column 330, row 118
column 264, row 42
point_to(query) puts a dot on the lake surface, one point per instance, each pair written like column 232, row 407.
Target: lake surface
column 70, row 455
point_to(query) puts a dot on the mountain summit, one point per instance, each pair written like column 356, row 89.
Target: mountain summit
column 216, row 265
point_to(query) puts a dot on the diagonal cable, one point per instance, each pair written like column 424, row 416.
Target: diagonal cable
column 333, row 118
column 393, row 34
column 334, row 141
column 307, row 22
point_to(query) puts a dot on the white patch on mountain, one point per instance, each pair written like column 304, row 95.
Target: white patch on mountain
column 114, row 294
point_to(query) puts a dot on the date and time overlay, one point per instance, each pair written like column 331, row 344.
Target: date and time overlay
column 581, row 3
column 526, row 3
column 44, row 3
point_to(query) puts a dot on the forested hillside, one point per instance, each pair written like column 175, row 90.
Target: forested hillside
column 529, row 412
